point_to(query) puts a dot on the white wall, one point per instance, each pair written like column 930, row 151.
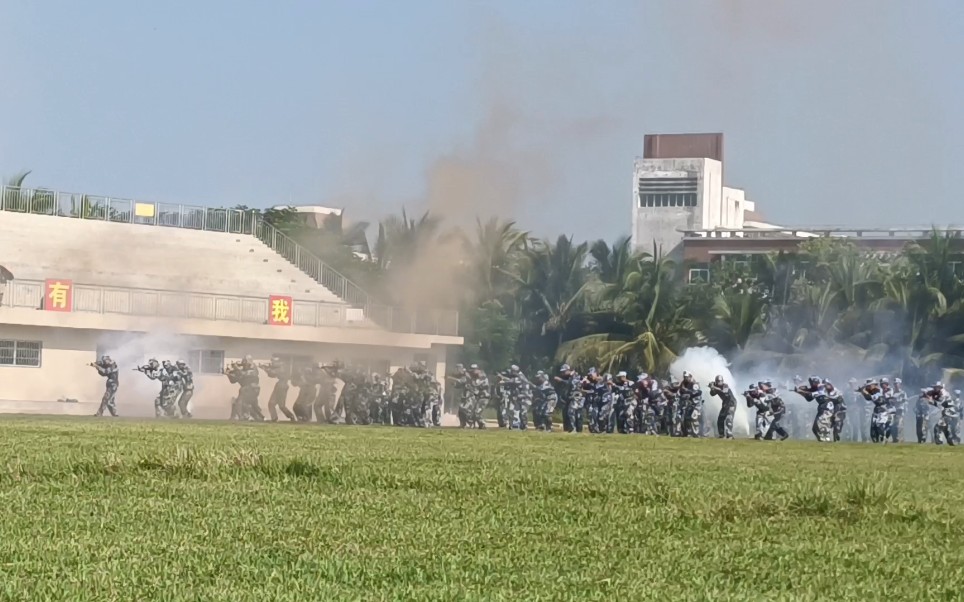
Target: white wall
column 63, row 372
column 663, row 224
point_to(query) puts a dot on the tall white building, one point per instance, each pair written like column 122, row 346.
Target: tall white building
column 675, row 194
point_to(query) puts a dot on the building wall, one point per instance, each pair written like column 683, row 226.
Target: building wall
column 64, row 372
column 662, row 225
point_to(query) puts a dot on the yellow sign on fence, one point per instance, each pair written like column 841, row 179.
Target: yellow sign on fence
column 144, row 209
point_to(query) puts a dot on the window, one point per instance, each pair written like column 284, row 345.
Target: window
column 699, row 275
column 668, row 192
column 295, row 362
column 668, row 200
column 20, row 353
column 205, row 361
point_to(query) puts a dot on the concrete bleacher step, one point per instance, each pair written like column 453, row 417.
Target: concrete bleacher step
column 145, row 256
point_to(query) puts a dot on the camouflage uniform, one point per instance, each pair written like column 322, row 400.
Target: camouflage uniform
column 946, row 426
column 380, row 395
column 648, row 395
column 250, row 381
column 107, row 368
column 354, row 397
column 693, row 413
column 479, row 392
column 460, row 382
column 899, row 404
column 170, row 389
column 724, row 422
column 280, row 370
column 880, row 420
column 755, row 399
column 822, row 427
column 838, row 418
column 187, row 389
column 325, row 403
column 626, row 405
column 305, row 379
column 152, row 370
column 544, row 403
column 403, row 390
column 778, row 410
column 922, row 412
column 605, row 405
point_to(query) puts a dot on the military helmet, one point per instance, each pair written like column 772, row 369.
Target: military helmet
column 105, row 359
column 642, row 376
column 719, row 379
column 564, row 368
column 181, row 364
column 687, row 374
column 938, row 385
column 885, row 381
column 166, row 363
column 474, row 367
column 621, row 374
column 248, row 359
column 754, row 387
column 514, row 369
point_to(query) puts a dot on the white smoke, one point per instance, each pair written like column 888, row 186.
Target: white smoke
column 705, row 364
column 136, row 393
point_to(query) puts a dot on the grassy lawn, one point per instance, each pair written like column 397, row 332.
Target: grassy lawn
column 129, row 510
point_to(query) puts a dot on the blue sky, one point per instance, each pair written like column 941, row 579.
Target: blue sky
column 835, row 112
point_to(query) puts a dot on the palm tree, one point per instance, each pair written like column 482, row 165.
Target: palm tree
column 494, row 256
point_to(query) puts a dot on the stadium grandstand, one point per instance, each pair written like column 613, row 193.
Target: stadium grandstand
column 87, row 276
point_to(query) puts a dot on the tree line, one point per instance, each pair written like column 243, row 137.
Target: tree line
column 540, row 302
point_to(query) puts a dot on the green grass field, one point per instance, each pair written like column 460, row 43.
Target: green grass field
column 127, row 510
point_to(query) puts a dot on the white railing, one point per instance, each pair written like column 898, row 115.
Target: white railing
column 174, row 304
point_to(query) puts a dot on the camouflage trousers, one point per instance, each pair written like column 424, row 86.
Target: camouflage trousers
column 183, row 402
column 279, row 401
column 542, row 412
column 574, row 414
column 325, row 404
column 302, row 407
column 645, row 418
column 248, row 396
column 897, row 429
column 945, row 430
column 165, row 402
column 922, row 429
column 692, row 420
column 823, row 424
column 627, row 417
column 600, row 414
column 724, row 422
column 838, row 421
column 763, row 420
column 776, row 427
column 879, row 426
column 357, row 411
column 108, row 401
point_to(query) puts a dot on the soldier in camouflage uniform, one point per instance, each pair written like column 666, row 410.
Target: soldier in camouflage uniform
column 899, row 403
column 838, row 418
column 626, row 404
column 922, row 412
column 778, row 410
column 403, row 390
column 306, row 380
column 326, row 403
column 693, row 412
column 280, row 370
column 354, row 397
column 516, row 398
column 946, row 426
column 170, row 389
column 648, row 395
column 478, row 394
column 823, row 421
column 724, row 421
column 380, row 394
column 107, row 368
column 544, row 403
column 187, row 389
column 152, row 370
column 233, row 372
column 460, row 383
column 880, row 420
column 250, row 390
column 756, row 399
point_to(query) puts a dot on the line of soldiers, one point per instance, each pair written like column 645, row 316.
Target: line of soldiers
column 603, row 403
column 177, row 387
column 411, row 397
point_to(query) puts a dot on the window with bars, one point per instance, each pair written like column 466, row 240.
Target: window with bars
column 205, row 361
column 699, row 276
column 668, row 192
column 20, row 353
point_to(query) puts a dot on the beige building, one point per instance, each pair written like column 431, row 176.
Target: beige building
column 94, row 276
